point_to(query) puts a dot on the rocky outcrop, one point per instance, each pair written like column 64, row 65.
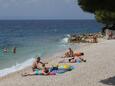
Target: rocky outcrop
column 85, row 38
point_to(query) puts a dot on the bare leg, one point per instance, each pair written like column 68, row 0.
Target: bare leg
column 61, row 61
column 82, row 59
column 29, row 74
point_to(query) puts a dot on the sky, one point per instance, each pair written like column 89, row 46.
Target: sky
column 42, row 9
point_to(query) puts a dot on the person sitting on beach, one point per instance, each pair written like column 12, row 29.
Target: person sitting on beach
column 69, row 53
column 37, row 64
column 43, row 71
column 79, row 55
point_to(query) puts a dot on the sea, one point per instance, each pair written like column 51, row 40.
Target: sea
column 34, row 38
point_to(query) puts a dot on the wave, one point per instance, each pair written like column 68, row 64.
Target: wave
column 16, row 67
column 65, row 39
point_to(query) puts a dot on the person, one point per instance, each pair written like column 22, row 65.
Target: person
column 43, row 71
column 71, row 60
column 110, row 34
column 37, row 64
column 94, row 39
column 5, row 50
column 14, row 50
column 69, row 53
column 79, row 55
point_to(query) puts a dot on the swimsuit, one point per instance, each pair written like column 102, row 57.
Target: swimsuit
column 38, row 72
column 78, row 54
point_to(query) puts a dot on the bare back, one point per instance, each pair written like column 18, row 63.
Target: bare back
column 37, row 65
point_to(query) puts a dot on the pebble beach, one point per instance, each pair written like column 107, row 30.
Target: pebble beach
column 97, row 71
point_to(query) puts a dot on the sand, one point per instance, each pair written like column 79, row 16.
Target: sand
column 97, row 71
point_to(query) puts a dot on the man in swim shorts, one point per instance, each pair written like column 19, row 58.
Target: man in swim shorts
column 43, row 71
column 37, row 64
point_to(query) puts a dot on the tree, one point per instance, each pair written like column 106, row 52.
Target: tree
column 104, row 10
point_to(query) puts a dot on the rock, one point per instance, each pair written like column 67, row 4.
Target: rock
column 89, row 38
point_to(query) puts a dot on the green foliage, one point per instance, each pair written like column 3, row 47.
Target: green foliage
column 104, row 10
column 106, row 17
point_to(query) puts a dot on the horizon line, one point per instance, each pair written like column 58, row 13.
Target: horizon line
column 46, row 19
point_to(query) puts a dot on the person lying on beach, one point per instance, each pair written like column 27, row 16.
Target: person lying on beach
column 79, row 55
column 69, row 53
column 71, row 60
column 37, row 64
column 43, row 71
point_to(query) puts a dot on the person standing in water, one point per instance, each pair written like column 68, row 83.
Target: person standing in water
column 5, row 50
column 14, row 50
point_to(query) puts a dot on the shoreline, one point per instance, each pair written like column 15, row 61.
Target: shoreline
column 51, row 58
column 100, row 60
column 47, row 58
column 21, row 65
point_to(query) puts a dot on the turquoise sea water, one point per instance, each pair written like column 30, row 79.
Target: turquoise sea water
column 37, row 37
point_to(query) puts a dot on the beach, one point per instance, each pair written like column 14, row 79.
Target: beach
column 97, row 71
column 57, row 43
column 42, row 38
